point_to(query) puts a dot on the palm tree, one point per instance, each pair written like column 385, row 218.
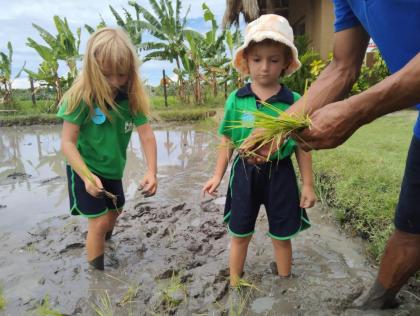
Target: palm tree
column 251, row 10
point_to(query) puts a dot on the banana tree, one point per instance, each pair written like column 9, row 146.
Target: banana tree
column 100, row 25
column 6, row 74
column 232, row 41
column 166, row 25
column 63, row 46
column 192, row 62
column 47, row 74
column 130, row 25
column 213, row 51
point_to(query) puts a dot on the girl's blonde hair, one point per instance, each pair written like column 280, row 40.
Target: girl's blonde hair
column 112, row 49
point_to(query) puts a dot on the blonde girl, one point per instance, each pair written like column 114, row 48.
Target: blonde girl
column 99, row 112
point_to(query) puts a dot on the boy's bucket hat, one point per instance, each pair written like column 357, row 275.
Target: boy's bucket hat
column 267, row 26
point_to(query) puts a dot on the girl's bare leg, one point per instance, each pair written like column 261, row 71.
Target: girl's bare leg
column 95, row 240
column 113, row 219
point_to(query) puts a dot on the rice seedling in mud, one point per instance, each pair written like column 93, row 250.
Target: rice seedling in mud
column 129, row 295
column 240, row 296
column 103, row 305
column 172, row 294
column 2, row 299
column 45, row 309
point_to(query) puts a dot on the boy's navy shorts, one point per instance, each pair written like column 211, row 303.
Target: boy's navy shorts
column 272, row 184
column 407, row 215
column 82, row 203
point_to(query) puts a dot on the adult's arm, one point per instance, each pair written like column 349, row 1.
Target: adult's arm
column 334, row 82
column 337, row 79
column 334, row 123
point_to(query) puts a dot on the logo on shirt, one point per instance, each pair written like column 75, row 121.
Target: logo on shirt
column 128, row 127
column 248, row 120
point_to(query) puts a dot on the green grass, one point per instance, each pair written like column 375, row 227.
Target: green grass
column 361, row 179
column 158, row 103
column 172, row 294
column 103, row 305
column 2, row 299
column 44, row 309
column 176, row 111
column 29, row 119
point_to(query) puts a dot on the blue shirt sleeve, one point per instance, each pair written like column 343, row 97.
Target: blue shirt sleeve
column 344, row 16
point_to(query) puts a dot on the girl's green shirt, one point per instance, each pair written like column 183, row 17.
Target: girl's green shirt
column 238, row 107
column 102, row 143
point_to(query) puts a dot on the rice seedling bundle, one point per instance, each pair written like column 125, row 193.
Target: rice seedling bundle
column 269, row 129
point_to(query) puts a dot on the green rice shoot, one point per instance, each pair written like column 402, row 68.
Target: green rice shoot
column 2, row 299
column 268, row 129
column 104, row 305
column 244, row 290
column 45, row 309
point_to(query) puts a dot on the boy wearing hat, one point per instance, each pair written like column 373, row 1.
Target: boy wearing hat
column 267, row 54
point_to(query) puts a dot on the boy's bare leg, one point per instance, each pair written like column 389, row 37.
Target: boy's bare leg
column 238, row 252
column 95, row 240
column 283, row 256
column 113, row 219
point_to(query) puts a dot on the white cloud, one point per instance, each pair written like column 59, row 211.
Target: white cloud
column 22, row 83
column 16, row 18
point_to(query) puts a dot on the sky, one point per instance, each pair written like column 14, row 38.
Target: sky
column 17, row 16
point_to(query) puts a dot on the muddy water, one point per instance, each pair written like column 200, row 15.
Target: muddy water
column 169, row 252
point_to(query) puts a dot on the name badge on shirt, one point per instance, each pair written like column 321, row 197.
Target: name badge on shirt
column 99, row 117
column 248, row 120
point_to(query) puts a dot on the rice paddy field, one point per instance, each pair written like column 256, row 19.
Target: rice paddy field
column 169, row 253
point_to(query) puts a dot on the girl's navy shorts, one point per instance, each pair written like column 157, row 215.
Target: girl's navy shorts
column 82, row 203
column 272, row 184
column 407, row 215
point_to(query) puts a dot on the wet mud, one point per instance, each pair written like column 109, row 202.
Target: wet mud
column 168, row 254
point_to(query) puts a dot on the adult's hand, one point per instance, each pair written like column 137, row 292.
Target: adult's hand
column 252, row 142
column 332, row 125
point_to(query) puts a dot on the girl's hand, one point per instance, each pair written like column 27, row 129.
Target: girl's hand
column 148, row 185
column 308, row 196
column 210, row 187
column 94, row 187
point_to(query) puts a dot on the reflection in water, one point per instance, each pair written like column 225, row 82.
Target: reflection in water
column 40, row 189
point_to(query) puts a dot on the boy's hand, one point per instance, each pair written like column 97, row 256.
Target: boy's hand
column 308, row 196
column 95, row 189
column 210, row 187
column 148, row 185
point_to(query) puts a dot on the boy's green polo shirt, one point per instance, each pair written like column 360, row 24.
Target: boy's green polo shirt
column 244, row 99
column 103, row 143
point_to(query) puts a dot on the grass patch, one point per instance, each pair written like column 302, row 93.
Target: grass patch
column 45, row 309
column 2, row 299
column 103, row 305
column 28, row 119
column 45, row 111
column 172, row 294
column 361, row 179
column 240, row 296
column 184, row 115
